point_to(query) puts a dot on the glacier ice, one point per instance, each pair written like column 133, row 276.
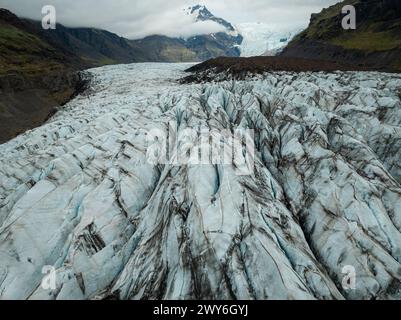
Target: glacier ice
column 263, row 39
column 78, row 192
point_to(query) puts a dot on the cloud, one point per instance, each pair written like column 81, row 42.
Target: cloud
column 170, row 23
column 138, row 18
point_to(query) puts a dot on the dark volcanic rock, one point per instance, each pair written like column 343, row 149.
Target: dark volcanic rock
column 239, row 68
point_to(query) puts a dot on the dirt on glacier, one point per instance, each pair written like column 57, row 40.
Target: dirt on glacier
column 319, row 217
column 241, row 68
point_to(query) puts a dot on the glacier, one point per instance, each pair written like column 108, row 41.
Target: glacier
column 78, row 193
column 263, row 39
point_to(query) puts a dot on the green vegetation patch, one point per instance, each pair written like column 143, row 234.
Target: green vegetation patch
column 368, row 41
column 22, row 52
column 14, row 39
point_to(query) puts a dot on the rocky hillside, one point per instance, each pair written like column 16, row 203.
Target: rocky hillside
column 375, row 42
column 24, row 50
column 93, row 46
column 35, row 76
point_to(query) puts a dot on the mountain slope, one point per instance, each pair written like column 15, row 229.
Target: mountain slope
column 24, row 50
column 163, row 49
column 376, row 40
column 35, row 76
column 201, row 13
column 95, row 47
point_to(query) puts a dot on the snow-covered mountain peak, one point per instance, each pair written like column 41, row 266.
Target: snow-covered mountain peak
column 258, row 38
column 202, row 13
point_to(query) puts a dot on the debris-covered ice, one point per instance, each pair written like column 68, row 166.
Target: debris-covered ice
column 79, row 195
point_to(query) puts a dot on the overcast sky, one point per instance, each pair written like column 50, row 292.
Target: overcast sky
column 138, row 18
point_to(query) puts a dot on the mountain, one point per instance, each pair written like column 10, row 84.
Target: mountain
column 216, row 44
column 93, row 46
column 35, row 76
column 243, row 39
column 375, row 42
column 160, row 48
column 88, row 47
column 201, row 13
column 22, row 49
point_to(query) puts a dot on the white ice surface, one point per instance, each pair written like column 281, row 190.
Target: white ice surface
column 262, row 39
column 78, row 193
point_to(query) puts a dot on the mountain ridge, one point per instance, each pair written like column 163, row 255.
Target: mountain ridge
column 375, row 42
column 35, row 76
column 96, row 47
column 203, row 14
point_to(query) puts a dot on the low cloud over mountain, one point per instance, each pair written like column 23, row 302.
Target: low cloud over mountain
column 137, row 19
